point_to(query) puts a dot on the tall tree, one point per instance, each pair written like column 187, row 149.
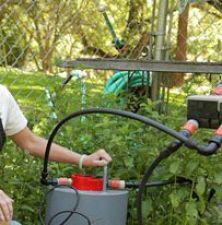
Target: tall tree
column 138, row 26
column 181, row 50
column 46, row 24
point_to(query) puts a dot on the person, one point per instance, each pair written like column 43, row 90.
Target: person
column 14, row 125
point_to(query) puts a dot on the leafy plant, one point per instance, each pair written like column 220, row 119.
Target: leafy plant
column 132, row 145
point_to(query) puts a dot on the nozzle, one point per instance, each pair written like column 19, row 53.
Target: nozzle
column 102, row 8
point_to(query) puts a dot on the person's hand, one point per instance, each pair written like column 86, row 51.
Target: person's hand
column 98, row 158
column 6, row 210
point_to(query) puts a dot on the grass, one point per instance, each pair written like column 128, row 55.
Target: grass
column 29, row 90
column 126, row 140
column 19, row 171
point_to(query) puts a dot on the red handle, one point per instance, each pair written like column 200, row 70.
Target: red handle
column 87, row 183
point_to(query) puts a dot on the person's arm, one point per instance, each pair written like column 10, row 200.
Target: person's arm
column 16, row 128
column 27, row 140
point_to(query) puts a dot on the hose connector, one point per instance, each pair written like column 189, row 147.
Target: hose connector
column 214, row 143
column 190, row 126
column 217, row 139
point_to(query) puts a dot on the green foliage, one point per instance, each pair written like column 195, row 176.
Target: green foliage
column 132, row 145
column 66, row 29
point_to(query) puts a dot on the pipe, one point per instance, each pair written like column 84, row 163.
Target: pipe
column 158, row 55
column 190, row 143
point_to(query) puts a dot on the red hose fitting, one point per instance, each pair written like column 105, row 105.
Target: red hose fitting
column 117, row 184
column 63, row 181
column 219, row 131
column 191, row 126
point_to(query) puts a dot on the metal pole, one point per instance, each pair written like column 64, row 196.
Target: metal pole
column 159, row 47
column 150, row 47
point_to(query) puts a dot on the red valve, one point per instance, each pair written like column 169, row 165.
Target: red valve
column 87, row 183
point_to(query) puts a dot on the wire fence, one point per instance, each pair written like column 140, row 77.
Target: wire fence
column 35, row 36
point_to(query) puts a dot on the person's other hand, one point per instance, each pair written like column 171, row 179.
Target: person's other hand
column 6, row 209
column 98, row 158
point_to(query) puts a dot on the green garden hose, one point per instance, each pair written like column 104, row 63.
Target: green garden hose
column 121, row 81
column 117, row 42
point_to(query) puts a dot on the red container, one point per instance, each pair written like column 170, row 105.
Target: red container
column 87, row 183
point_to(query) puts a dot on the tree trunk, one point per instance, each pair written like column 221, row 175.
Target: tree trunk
column 47, row 59
column 136, row 25
column 181, row 51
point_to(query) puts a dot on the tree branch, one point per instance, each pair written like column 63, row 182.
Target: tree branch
column 217, row 4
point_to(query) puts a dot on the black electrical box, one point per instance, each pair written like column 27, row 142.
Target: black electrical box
column 206, row 109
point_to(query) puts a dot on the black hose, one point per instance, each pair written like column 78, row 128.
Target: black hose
column 176, row 180
column 170, row 149
column 53, row 217
column 66, row 81
column 209, row 149
column 205, row 150
column 71, row 212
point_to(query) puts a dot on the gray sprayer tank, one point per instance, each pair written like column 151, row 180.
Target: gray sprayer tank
column 101, row 207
